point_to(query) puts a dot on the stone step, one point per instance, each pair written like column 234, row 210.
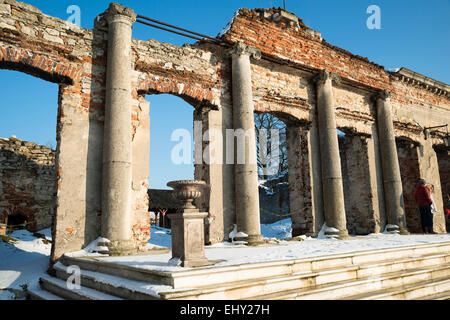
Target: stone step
column 59, row 288
column 204, row 277
column 113, row 285
column 307, row 280
column 41, row 294
column 439, row 296
column 219, row 275
column 336, row 275
column 351, row 290
column 416, row 291
column 115, row 269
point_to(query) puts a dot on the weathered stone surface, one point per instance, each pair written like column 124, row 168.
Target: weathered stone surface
column 27, row 183
column 246, row 169
column 364, row 203
column 409, row 169
column 305, row 183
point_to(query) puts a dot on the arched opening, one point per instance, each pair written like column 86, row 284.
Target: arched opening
column 272, row 160
column 28, row 117
column 443, row 159
column 408, row 158
column 17, row 221
column 358, row 165
column 28, row 108
column 171, row 152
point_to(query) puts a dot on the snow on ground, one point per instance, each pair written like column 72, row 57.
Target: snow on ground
column 23, row 262
column 160, row 237
column 280, row 229
column 233, row 255
column 309, row 247
column 26, row 260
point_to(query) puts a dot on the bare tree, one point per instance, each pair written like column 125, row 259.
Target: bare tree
column 271, row 145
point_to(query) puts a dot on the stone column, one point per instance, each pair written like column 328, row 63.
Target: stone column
column 116, row 190
column 246, row 169
column 333, row 192
column 392, row 182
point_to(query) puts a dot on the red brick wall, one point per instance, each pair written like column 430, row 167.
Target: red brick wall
column 297, row 45
column 27, row 183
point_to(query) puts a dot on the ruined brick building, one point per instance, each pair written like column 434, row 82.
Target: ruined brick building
column 27, row 184
column 267, row 61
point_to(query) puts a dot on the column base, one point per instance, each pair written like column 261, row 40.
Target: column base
column 404, row 232
column 393, row 228
column 340, row 234
column 255, row 240
column 252, row 240
column 121, row 248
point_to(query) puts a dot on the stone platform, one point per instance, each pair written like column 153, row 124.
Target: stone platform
column 419, row 271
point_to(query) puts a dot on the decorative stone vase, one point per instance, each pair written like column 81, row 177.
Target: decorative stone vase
column 187, row 191
column 188, row 233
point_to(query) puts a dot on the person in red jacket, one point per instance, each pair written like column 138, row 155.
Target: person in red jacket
column 423, row 200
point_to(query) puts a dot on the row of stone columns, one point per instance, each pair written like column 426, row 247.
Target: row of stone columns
column 247, row 209
column 116, row 192
column 333, row 196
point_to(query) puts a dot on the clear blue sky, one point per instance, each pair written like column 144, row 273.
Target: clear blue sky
column 414, row 34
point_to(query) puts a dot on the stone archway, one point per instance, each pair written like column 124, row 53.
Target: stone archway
column 172, row 123
column 27, row 168
column 272, row 161
column 443, row 159
column 38, row 65
column 303, row 183
column 73, row 132
column 408, row 158
column 17, row 220
column 28, row 110
column 206, row 119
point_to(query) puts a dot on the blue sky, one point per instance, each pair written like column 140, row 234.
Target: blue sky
column 414, row 34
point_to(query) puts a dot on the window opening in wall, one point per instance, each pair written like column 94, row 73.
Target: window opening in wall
column 28, row 117
column 273, row 175
column 171, row 152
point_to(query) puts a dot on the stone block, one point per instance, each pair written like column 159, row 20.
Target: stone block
column 5, row 9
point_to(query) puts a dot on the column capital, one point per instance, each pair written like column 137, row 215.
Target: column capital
column 324, row 74
column 117, row 12
column 382, row 95
column 240, row 48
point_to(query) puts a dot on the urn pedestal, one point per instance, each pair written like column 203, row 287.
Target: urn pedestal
column 188, row 236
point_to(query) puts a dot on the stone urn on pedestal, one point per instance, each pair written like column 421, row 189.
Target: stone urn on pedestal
column 188, row 236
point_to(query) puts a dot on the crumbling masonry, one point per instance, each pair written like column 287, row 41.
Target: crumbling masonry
column 27, row 184
column 272, row 63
